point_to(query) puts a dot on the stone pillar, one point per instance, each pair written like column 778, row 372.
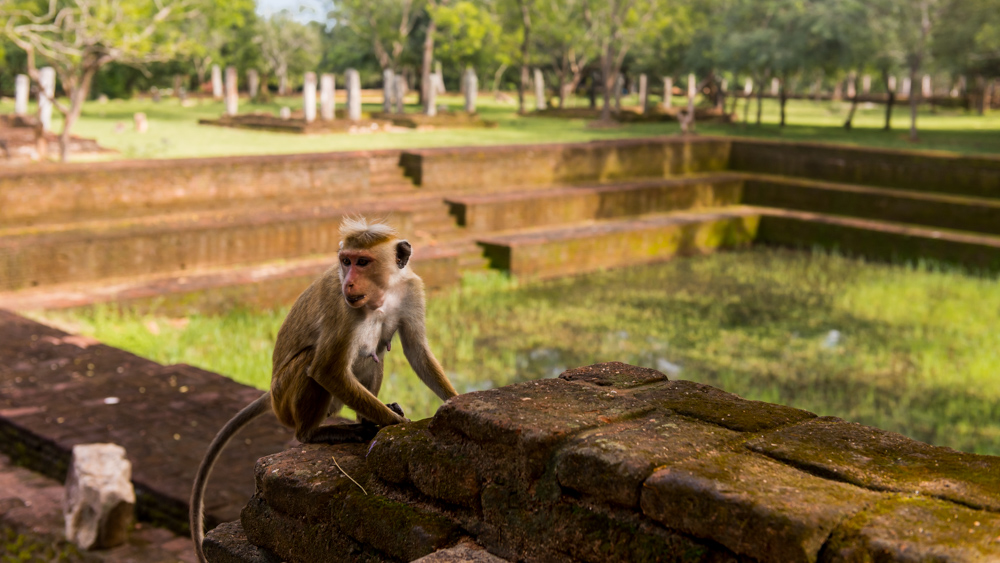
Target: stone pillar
column 216, row 82
column 99, row 506
column 282, row 85
column 471, row 86
column 906, row 86
column 327, row 102
column 430, row 101
column 399, row 84
column 253, row 83
column 892, row 84
column 852, row 90
column 309, row 96
column 440, row 77
column 692, row 89
column 775, row 86
column 47, row 89
column 748, row 87
column 668, row 92
column 22, row 88
column 232, row 92
column 926, row 89
column 866, row 84
column 539, row 90
column 642, row 93
column 353, row 95
column 285, row 112
column 388, row 89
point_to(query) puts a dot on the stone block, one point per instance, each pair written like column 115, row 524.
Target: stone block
column 614, row 374
column 752, row 505
column 711, row 404
column 409, row 454
column 228, row 543
column 100, row 499
column 525, row 422
column 910, row 529
column 611, row 463
column 461, row 553
column 304, row 484
column 885, row 461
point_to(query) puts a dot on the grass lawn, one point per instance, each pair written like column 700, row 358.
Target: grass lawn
column 174, row 131
column 910, row 349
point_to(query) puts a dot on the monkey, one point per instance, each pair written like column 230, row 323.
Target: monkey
column 329, row 350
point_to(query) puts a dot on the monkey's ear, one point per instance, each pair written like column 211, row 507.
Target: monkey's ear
column 403, row 252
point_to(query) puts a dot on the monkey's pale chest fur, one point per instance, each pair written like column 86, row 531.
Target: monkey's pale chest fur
column 374, row 333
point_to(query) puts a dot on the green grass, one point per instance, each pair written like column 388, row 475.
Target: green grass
column 912, row 349
column 174, row 131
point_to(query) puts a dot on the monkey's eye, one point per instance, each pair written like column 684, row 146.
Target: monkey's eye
column 345, row 261
column 362, row 261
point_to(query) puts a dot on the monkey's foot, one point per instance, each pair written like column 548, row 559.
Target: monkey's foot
column 354, row 432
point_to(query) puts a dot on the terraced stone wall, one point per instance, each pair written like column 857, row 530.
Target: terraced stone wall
column 486, row 169
column 117, row 189
column 909, row 170
column 615, row 463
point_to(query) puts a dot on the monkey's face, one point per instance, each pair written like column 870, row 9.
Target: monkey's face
column 363, row 278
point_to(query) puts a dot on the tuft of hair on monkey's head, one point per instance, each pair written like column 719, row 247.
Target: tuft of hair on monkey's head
column 358, row 232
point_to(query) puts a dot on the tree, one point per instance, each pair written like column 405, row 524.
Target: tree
column 916, row 27
column 469, row 34
column 386, row 24
column 618, row 25
column 565, row 32
column 78, row 37
column 287, row 48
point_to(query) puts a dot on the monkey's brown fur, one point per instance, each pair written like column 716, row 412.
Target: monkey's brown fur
column 330, row 348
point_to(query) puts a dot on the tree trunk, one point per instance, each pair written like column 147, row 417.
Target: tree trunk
column 915, row 94
column 783, row 97
column 425, row 65
column 854, row 105
column 889, row 103
column 525, row 44
column 592, row 93
column 608, row 82
column 760, row 95
column 497, row 76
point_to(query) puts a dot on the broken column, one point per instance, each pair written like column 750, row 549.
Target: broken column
column 748, row 87
column 775, row 86
column 471, row 86
column 46, row 92
column 327, row 103
column 926, row 90
column 353, row 95
column 668, row 92
column 216, row 82
column 399, row 83
column 891, row 85
column 232, row 91
column 430, row 103
column 388, row 87
column 642, row 93
column 852, row 90
column 253, row 83
column 866, row 84
column 100, row 500
column 22, row 87
column 309, row 96
column 539, row 90
column 906, row 86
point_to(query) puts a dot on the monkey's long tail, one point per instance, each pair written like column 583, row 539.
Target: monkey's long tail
column 235, row 424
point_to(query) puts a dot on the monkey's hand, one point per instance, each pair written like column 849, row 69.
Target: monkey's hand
column 394, row 407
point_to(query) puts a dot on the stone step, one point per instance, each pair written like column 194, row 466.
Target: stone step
column 172, row 244
column 964, row 213
column 882, row 240
column 264, row 285
column 562, row 205
column 551, row 252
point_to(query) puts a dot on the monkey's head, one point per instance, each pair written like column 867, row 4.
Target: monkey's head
column 371, row 258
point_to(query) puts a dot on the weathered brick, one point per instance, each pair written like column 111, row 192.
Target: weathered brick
column 883, row 460
column 752, row 505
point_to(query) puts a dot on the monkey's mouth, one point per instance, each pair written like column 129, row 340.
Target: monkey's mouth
column 354, row 299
